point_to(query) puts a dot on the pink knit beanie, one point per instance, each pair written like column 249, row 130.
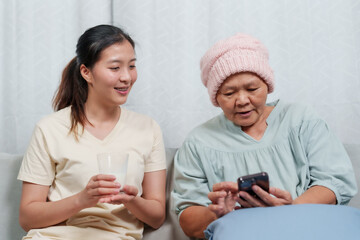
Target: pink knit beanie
column 239, row 53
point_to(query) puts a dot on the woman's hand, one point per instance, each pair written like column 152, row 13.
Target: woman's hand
column 128, row 194
column 37, row 212
column 223, row 197
column 275, row 197
column 100, row 188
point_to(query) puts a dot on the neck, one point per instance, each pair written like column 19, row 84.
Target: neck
column 97, row 113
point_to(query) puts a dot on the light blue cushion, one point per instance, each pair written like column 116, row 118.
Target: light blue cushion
column 307, row 221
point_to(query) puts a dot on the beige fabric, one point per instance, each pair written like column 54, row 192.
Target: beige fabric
column 56, row 159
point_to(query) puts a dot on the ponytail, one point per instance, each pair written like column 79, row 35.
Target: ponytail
column 72, row 91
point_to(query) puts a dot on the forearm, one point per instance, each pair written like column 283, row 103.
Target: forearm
column 44, row 214
column 151, row 212
column 194, row 220
column 317, row 195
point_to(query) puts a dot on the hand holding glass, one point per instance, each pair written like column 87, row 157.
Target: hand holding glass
column 114, row 163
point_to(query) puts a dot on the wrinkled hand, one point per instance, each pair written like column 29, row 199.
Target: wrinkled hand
column 101, row 186
column 127, row 195
column 275, row 197
column 223, row 197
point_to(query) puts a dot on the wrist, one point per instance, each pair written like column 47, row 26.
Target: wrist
column 78, row 202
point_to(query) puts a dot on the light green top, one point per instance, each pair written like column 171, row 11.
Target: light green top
column 297, row 151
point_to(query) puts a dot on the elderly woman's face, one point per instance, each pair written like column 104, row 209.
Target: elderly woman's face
column 242, row 97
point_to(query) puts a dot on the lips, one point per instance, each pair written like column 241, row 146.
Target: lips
column 122, row 90
column 244, row 113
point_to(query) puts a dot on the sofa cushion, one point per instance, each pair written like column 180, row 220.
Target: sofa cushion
column 353, row 151
column 171, row 228
column 10, row 193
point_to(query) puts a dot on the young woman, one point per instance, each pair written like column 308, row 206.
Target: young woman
column 64, row 196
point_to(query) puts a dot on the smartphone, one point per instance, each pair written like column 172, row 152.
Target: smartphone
column 246, row 182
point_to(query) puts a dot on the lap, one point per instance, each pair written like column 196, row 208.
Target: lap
column 307, row 221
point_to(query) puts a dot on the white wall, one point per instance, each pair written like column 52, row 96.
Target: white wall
column 314, row 50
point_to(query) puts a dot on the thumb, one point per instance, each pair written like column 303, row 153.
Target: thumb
column 279, row 193
column 130, row 190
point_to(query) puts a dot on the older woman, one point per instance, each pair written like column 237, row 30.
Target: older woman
column 305, row 161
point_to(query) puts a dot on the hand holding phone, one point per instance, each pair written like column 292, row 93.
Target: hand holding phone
column 246, row 182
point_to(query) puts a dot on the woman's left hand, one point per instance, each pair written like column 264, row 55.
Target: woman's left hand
column 275, row 197
column 128, row 194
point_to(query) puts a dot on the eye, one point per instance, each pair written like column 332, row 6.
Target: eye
column 228, row 93
column 252, row 89
column 114, row 68
column 132, row 66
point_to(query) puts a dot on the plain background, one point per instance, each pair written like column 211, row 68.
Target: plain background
column 314, row 50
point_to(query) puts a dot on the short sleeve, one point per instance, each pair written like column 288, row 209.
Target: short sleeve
column 190, row 182
column 329, row 164
column 37, row 165
column 156, row 160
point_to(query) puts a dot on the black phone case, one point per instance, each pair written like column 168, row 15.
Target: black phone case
column 246, row 182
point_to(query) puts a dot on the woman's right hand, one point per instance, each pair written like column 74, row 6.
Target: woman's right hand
column 223, row 197
column 100, row 187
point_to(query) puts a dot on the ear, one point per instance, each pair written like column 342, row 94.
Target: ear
column 86, row 73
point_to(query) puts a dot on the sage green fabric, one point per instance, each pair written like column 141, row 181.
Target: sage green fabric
column 298, row 150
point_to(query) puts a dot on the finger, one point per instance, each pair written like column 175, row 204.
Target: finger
column 103, row 191
column 253, row 201
column 283, row 197
column 121, row 198
column 225, row 186
column 130, row 190
column 217, row 209
column 263, row 197
column 105, row 199
column 215, row 196
column 279, row 193
column 103, row 184
column 243, row 203
column 106, row 177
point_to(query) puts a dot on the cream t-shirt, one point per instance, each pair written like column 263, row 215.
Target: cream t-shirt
column 54, row 158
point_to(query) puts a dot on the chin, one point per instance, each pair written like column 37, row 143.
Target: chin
column 242, row 124
column 121, row 101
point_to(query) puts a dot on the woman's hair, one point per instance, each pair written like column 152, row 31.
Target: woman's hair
column 73, row 89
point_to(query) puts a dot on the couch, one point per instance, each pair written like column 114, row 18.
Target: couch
column 10, row 192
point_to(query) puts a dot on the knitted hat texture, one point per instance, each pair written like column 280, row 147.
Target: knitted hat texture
column 239, row 53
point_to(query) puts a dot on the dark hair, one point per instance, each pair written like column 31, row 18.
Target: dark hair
column 73, row 89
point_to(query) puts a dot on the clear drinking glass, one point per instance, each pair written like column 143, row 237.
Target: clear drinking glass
column 114, row 163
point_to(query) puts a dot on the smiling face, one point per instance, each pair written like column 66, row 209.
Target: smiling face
column 111, row 78
column 242, row 97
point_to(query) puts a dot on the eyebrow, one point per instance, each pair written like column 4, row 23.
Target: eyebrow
column 119, row 61
column 232, row 87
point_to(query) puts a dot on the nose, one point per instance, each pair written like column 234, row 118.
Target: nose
column 125, row 76
column 242, row 99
